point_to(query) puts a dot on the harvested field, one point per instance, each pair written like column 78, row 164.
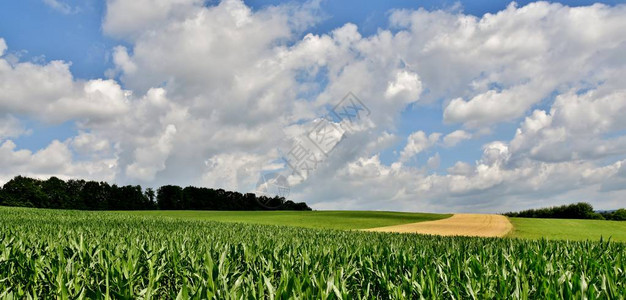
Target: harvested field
column 482, row 225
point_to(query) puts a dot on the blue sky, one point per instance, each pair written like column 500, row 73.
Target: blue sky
column 108, row 53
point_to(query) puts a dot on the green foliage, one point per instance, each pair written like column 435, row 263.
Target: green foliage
column 170, row 197
column 93, row 195
column 23, row 191
column 579, row 210
column 620, row 214
column 617, row 215
column 97, row 255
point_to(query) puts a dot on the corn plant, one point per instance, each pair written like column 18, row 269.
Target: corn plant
column 99, row 255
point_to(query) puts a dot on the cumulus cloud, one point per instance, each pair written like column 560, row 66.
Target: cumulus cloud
column 461, row 168
column 418, row 142
column 495, row 67
column 258, row 80
column 406, row 85
column 434, row 161
column 86, row 143
column 122, row 61
column 11, row 127
column 54, row 160
column 489, row 185
column 49, row 92
column 234, row 171
column 575, row 128
column 151, row 159
column 493, row 105
column 206, row 92
column 132, row 18
column 455, row 137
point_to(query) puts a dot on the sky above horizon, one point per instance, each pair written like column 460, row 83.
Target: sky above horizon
column 471, row 106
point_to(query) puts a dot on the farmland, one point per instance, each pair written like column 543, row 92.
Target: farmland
column 74, row 254
column 560, row 229
column 307, row 219
column 568, row 229
column 476, row 225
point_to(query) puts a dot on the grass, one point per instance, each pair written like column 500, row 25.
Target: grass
column 309, row 219
column 48, row 254
column 566, row 229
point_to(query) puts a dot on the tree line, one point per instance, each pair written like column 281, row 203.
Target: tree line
column 581, row 210
column 93, row 195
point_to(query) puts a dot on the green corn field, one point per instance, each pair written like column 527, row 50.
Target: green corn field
column 98, row 255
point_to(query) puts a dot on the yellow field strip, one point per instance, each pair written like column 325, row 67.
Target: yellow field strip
column 482, row 225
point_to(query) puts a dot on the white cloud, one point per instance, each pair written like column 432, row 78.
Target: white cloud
column 3, row 47
column 151, row 159
column 489, row 186
column 234, row 171
column 133, row 18
column 455, row 137
column 228, row 86
column 86, row 143
column 461, row 168
column 11, row 127
column 406, row 85
column 574, row 128
column 211, row 90
column 54, row 160
column 494, row 68
column 417, row 142
column 258, row 80
column 434, row 161
column 49, row 92
column 122, row 60
column 61, row 6
column 492, row 105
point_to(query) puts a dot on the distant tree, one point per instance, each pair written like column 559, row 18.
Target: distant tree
column 115, row 198
column 581, row 210
column 135, row 199
column 195, row 198
column 250, row 202
column 24, row 191
column 170, row 197
column 275, row 202
column 93, row 195
column 74, row 190
column 619, row 215
column 150, row 198
column 56, row 194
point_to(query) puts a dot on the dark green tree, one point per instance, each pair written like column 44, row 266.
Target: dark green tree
column 150, row 197
column 170, row 197
column 56, row 193
column 619, row 215
column 93, row 195
column 24, row 191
